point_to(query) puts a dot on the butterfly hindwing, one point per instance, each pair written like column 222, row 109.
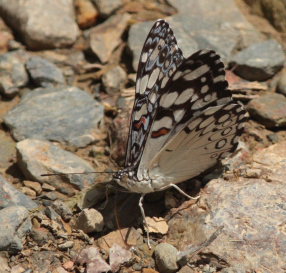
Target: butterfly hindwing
column 205, row 140
column 199, row 82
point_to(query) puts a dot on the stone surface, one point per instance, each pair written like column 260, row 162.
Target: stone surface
column 10, row 196
column 44, row 73
column 7, row 150
column 209, row 27
column 260, row 61
column 13, row 73
column 118, row 256
column 105, row 37
column 269, row 110
column 92, row 258
column 86, row 13
column 15, row 223
column 54, row 28
column 252, row 212
column 107, row 7
column 62, row 209
column 273, row 10
column 157, row 225
column 114, row 79
column 281, row 86
column 66, row 115
column 37, row 157
column 166, row 258
column 90, row 220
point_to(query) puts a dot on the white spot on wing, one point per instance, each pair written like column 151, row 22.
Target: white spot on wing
column 144, row 57
column 197, row 73
column 165, row 122
column 143, row 84
column 168, row 99
column 153, row 77
column 184, row 96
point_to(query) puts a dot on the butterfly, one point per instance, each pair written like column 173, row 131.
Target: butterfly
column 184, row 120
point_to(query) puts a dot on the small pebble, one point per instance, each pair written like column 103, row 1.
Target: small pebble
column 66, row 245
column 90, row 220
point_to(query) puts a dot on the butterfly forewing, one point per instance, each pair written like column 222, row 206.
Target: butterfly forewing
column 159, row 59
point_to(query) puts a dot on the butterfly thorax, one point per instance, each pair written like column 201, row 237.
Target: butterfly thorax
column 129, row 179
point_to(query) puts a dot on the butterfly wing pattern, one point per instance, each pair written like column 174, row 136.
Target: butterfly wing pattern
column 183, row 120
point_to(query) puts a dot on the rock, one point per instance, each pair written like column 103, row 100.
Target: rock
column 13, row 73
column 86, row 13
column 10, row 196
column 114, row 79
column 5, row 38
column 252, row 212
column 269, row 110
column 51, row 213
column 7, row 150
column 62, row 209
column 90, row 220
column 129, row 236
column 66, row 115
column 186, row 269
column 47, row 187
column 166, row 258
column 281, row 86
column 41, row 236
column 56, row 29
column 210, row 24
column 27, row 191
column 107, row 7
column 105, row 37
column 36, row 186
column 4, row 263
column 66, row 245
column 44, row 73
column 15, row 223
column 59, row 269
column 118, row 256
column 37, row 157
column 92, row 258
column 157, row 225
column 273, row 10
column 149, row 270
column 260, row 61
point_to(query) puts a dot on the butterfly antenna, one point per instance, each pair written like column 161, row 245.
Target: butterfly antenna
column 63, row 174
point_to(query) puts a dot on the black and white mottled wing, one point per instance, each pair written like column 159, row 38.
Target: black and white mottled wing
column 207, row 138
column 198, row 83
column 159, row 59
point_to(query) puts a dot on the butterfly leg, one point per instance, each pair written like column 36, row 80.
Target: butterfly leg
column 144, row 219
column 183, row 193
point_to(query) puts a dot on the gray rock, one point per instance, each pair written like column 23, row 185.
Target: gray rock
column 260, row 61
column 10, row 196
column 118, row 256
column 37, row 157
column 252, row 212
column 55, row 28
column 114, row 79
column 211, row 19
column 66, row 245
column 107, row 7
column 281, row 86
column 209, row 27
column 13, row 73
column 269, row 110
column 166, row 258
column 62, row 209
column 15, row 223
column 66, row 115
column 4, row 261
column 105, row 37
column 90, row 220
column 43, row 72
column 7, row 150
